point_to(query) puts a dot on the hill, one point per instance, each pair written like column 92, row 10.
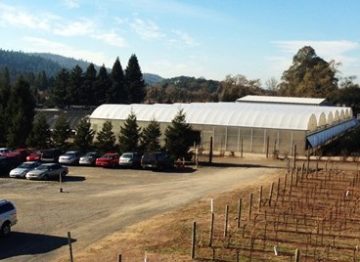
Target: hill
column 25, row 63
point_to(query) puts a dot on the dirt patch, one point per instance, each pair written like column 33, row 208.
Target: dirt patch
column 167, row 237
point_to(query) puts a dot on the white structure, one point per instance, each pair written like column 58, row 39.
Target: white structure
column 282, row 100
column 245, row 125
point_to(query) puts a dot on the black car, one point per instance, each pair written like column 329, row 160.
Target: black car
column 8, row 163
column 50, row 155
column 157, row 161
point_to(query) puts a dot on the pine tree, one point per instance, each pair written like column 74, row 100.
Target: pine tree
column 117, row 93
column 106, row 138
column 134, row 81
column 179, row 136
column 58, row 94
column 102, row 85
column 4, row 98
column 86, row 95
column 75, row 82
column 129, row 134
column 61, row 131
column 150, row 137
column 40, row 136
column 84, row 135
column 20, row 112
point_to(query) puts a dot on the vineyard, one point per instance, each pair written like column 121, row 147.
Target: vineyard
column 308, row 214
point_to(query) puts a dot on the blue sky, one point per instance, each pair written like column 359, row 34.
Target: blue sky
column 203, row 38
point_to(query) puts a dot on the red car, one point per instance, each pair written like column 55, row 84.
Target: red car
column 34, row 156
column 108, row 160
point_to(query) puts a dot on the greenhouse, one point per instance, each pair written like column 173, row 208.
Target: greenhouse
column 241, row 126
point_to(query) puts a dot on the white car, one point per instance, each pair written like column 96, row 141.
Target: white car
column 47, row 171
column 69, row 158
column 8, row 217
column 88, row 159
column 22, row 170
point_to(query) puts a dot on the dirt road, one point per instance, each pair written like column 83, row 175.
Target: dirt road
column 97, row 202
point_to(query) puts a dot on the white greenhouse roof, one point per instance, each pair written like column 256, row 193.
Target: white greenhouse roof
column 279, row 116
column 282, row 100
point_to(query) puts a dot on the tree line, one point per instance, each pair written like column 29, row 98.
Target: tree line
column 179, row 136
column 92, row 88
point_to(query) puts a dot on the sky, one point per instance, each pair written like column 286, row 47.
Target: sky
column 202, row 38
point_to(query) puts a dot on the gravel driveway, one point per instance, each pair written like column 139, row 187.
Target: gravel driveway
column 97, row 202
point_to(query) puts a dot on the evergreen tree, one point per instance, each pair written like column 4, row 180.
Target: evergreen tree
column 117, row 93
column 75, row 83
column 179, row 136
column 58, row 94
column 129, row 134
column 134, row 81
column 150, row 137
column 4, row 98
column 41, row 81
column 84, row 135
column 40, row 136
column 20, row 113
column 106, row 138
column 61, row 131
column 101, row 86
column 86, row 96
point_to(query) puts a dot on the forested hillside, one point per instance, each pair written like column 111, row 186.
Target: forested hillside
column 20, row 63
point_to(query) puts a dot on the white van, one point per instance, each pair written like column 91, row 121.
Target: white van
column 7, row 217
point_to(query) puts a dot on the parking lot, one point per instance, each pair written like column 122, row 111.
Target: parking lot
column 97, row 202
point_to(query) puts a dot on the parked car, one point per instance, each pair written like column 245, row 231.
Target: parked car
column 8, row 217
column 108, row 160
column 89, row 158
column 130, row 159
column 8, row 163
column 50, row 155
column 157, row 161
column 47, row 171
column 22, row 170
column 70, row 158
column 4, row 150
column 34, row 156
column 23, row 153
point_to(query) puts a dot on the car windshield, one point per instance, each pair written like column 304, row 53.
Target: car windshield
column 71, row 153
column 43, row 167
column 108, row 156
column 127, row 155
column 91, row 154
column 28, row 165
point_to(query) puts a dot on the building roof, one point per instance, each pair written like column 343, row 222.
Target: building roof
column 282, row 100
column 279, row 116
column 73, row 116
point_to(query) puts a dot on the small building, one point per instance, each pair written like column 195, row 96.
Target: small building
column 274, row 124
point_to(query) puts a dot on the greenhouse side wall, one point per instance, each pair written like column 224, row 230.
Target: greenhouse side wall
column 230, row 140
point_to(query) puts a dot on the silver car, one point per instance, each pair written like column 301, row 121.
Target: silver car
column 69, row 158
column 8, row 217
column 88, row 159
column 47, row 171
column 22, row 170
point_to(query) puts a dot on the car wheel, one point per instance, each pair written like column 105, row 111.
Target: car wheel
column 46, row 177
column 5, row 229
column 63, row 174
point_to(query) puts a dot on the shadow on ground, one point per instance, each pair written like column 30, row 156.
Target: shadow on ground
column 182, row 170
column 74, row 179
column 18, row 244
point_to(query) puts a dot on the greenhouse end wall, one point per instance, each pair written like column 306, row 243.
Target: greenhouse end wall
column 231, row 140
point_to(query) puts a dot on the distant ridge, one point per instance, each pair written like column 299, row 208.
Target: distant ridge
column 25, row 63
